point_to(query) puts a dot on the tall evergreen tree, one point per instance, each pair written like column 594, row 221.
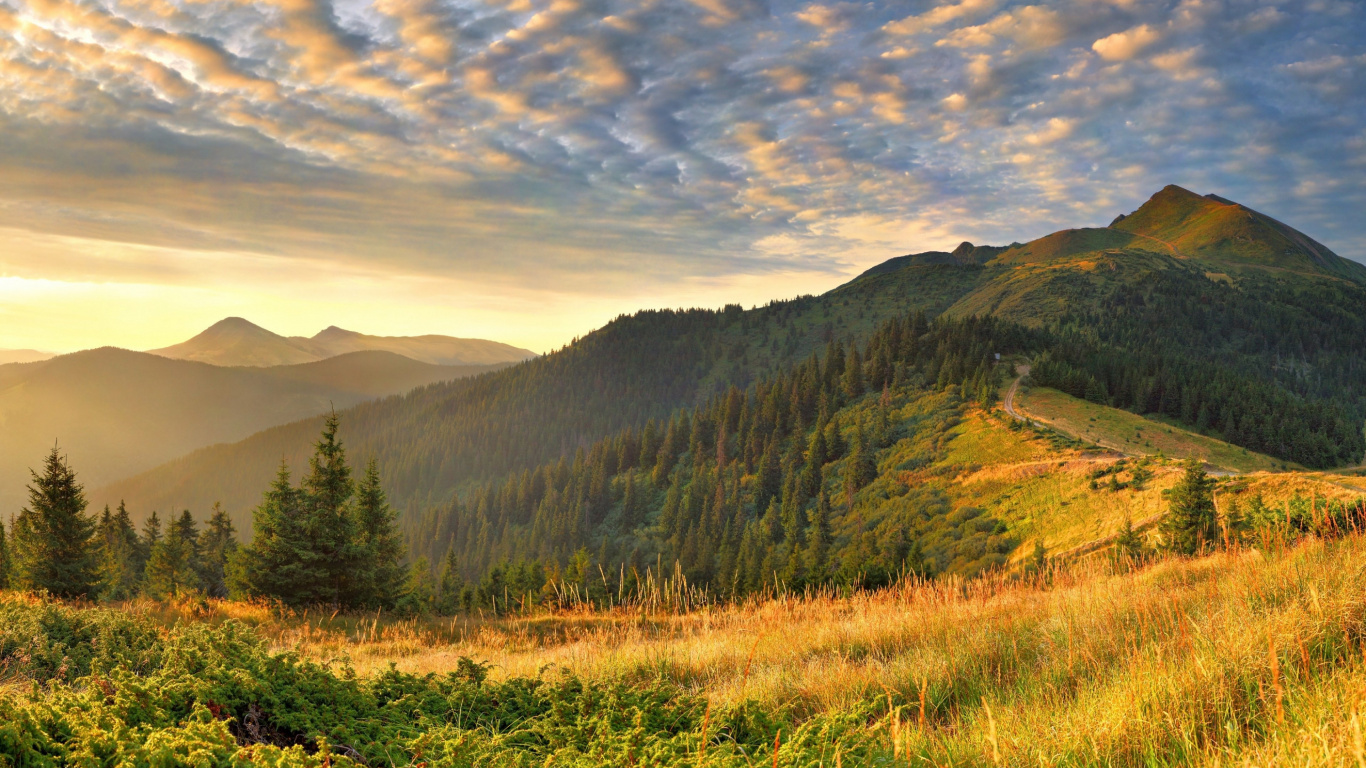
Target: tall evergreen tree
column 54, row 546
column 861, row 467
column 151, row 534
column 276, row 565
column 217, row 543
column 120, row 569
column 380, row 541
column 173, row 567
column 450, row 586
column 329, row 521
column 818, row 542
column 1190, row 522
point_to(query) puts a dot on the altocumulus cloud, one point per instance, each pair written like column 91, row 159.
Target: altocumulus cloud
column 601, row 145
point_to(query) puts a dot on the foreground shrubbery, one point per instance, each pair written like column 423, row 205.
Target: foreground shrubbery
column 110, row 689
column 1241, row 657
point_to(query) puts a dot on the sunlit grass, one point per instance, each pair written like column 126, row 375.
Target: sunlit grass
column 1127, row 432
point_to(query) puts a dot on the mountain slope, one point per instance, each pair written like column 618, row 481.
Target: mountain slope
column 8, row 356
column 636, row 368
column 118, row 412
column 1271, row 358
column 437, row 350
column 1216, row 230
column 238, row 342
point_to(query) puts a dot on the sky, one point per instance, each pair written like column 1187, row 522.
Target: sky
column 525, row 170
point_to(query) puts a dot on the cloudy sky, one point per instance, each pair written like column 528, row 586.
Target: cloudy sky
column 526, row 169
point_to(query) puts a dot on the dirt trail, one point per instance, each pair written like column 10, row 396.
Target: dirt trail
column 1021, row 371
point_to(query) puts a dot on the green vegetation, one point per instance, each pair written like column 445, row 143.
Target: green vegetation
column 1129, row 433
column 1238, row 657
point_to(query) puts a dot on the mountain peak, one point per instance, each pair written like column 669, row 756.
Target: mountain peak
column 1218, row 230
column 334, row 332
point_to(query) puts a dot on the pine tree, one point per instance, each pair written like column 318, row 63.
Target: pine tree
column 1128, row 544
column 173, row 567
column 54, row 546
column 853, row 375
column 334, row 553
column 120, row 569
column 277, row 565
column 4, row 559
column 380, row 541
column 630, row 505
column 151, row 534
column 217, row 543
column 770, row 476
column 1190, row 522
column 818, row 542
column 450, row 586
column 860, row 469
column 419, row 590
column 815, row 462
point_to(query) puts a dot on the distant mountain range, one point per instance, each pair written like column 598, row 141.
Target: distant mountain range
column 1172, row 308
column 8, row 356
column 238, row 342
column 118, row 412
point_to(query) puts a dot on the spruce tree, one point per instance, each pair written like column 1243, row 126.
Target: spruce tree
column 277, row 565
column 4, row 559
column 120, row 569
column 380, row 540
column 1128, row 544
column 450, row 586
column 54, row 546
column 861, row 467
column 151, row 534
column 217, row 543
column 418, row 597
column 818, row 542
column 334, row 554
column 1190, row 522
column 630, row 505
column 173, row 567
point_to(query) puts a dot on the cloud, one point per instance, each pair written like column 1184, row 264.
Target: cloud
column 615, row 148
column 939, row 16
column 1122, row 46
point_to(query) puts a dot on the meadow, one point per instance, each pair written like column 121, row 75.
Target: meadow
column 1242, row 657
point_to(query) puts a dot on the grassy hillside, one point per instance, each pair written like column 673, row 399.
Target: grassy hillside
column 1243, row 658
column 1129, row 433
column 1216, row 230
column 117, row 412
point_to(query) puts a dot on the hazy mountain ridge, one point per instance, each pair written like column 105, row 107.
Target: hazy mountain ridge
column 9, row 356
column 234, row 341
column 118, row 412
column 1300, row 331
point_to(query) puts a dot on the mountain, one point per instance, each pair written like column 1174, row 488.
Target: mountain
column 237, row 342
column 1203, row 329
column 118, row 412
column 8, row 356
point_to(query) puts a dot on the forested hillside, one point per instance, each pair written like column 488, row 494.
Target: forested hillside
column 118, row 412
column 1205, row 329
column 440, row 438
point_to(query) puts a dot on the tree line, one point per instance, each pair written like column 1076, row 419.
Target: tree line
column 330, row 540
